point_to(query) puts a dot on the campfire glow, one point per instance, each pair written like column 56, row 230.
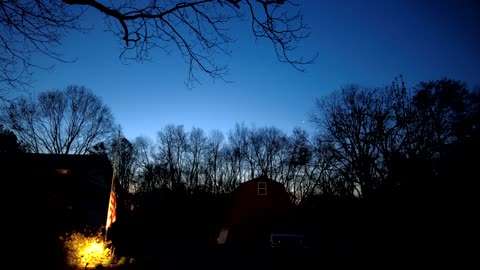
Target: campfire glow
column 87, row 249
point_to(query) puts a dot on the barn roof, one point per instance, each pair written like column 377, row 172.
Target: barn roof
column 259, row 179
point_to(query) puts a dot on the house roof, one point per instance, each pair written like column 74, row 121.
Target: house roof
column 96, row 169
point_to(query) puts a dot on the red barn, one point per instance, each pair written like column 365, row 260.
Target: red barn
column 259, row 207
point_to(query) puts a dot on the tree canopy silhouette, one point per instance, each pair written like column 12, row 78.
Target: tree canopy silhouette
column 68, row 121
column 371, row 130
column 8, row 141
column 199, row 30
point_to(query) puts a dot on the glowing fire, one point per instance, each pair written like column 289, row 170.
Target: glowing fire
column 87, row 249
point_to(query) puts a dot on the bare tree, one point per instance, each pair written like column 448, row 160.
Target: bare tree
column 232, row 168
column 353, row 120
column 265, row 146
column 237, row 152
column 214, row 174
column 172, row 153
column 126, row 156
column 444, row 115
column 328, row 170
column 196, row 157
column 296, row 164
column 199, row 30
column 69, row 121
column 145, row 175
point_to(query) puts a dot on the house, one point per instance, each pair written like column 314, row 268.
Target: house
column 58, row 192
column 259, row 207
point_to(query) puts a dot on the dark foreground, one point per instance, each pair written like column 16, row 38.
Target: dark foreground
column 342, row 255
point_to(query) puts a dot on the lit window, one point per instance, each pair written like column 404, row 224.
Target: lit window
column 63, row 171
column 262, row 188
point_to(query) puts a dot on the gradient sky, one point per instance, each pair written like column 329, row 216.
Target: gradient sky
column 365, row 42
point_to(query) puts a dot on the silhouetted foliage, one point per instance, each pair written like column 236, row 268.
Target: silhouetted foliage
column 98, row 149
column 68, row 121
column 9, row 142
column 300, row 150
column 376, row 136
column 353, row 121
column 446, row 112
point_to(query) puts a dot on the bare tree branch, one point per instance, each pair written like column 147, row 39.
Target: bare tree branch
column 199, row 30
column 29, row 27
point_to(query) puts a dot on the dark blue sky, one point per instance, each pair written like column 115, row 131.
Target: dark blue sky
column 365, row 42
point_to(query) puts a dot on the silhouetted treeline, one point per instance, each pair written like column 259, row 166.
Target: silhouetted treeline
column 366, row 140
column 388, row 171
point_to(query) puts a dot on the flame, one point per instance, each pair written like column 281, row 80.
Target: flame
column 87, row 249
